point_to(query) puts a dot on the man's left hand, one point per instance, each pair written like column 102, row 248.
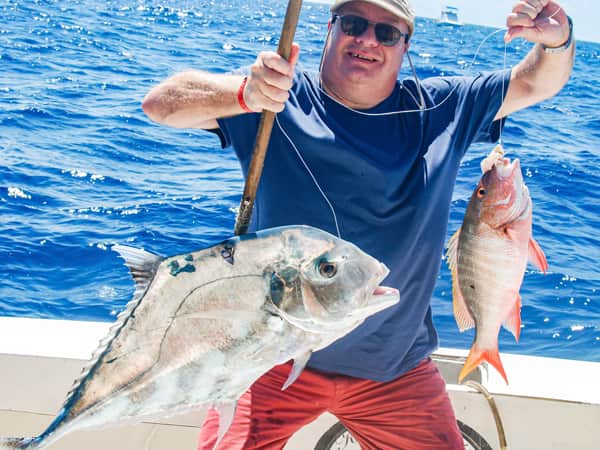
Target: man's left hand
column 539, row 21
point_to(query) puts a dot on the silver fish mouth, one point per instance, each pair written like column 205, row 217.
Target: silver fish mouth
column 383, row 290
column 378, row 298
column 381, row 297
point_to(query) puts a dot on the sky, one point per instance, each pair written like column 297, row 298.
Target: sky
column 585, row 13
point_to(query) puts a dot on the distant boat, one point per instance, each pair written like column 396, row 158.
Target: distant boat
column 449, row 16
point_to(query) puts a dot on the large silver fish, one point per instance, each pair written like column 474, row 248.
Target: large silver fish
column 488, row 256
column 203, row 326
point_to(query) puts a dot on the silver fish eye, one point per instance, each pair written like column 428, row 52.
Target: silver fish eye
column 327, row 269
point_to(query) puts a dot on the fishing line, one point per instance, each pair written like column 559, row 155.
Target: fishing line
column 407, row 111
column 421, row 109
column 335, row 220
column 494, row 409
column 420, row 104
column 418, row 82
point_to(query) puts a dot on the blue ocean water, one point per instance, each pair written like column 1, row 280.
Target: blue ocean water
column 81, row 167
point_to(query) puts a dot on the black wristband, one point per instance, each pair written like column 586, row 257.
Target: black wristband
column 566, row 45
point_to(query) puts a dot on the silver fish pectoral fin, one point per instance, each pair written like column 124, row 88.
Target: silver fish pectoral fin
column 297, row 368
column 226, row 413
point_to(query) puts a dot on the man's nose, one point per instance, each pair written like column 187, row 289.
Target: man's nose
column 368, row 37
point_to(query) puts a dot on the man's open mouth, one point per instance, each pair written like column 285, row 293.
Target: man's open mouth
column 362, row 57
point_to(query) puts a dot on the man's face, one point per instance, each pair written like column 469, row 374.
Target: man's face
column 352, row 61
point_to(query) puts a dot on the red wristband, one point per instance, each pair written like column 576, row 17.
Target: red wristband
column 241, row 96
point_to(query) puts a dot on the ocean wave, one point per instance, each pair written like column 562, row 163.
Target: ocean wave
column 83, row 168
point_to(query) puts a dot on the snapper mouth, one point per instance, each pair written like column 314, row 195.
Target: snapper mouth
column 518, row 200
column 384, row 293
column 506, row 169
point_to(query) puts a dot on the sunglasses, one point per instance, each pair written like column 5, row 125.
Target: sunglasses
column 386, row 34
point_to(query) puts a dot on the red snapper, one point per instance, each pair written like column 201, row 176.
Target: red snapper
column 488, row 256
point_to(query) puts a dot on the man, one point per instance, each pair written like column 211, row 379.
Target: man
column 356, row 152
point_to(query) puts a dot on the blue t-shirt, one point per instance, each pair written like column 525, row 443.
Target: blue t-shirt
column 389, row 179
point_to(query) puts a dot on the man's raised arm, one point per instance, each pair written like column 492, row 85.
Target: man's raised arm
column 195, row 99
column 547, row 67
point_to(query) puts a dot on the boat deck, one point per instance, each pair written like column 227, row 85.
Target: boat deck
column 550, row 403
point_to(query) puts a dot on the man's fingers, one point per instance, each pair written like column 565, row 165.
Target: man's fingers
column 271, row 77
column 277, row 63
column 526, row 9
column 267, row 90
column 513, row 33
column 515, row 19
column 274, row 93
column 271, row 105
column 546, row 29
column 277, row 80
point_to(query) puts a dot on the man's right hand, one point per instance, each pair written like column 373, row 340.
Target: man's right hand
column 270, row 79
column 196, row 99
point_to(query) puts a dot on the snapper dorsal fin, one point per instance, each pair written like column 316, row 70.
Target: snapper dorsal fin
column 143, row 266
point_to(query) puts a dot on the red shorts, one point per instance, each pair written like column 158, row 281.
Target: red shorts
column 412, row 412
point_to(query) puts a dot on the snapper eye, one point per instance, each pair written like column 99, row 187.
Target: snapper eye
column 327, row 269
column 481, row 192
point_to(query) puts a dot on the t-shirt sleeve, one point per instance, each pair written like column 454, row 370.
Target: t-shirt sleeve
column 239, row 132
column 469, row 106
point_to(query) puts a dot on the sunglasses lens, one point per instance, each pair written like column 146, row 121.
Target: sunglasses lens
column 387, row 34
column 354, row 25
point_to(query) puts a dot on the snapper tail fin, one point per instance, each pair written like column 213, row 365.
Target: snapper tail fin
column 477, row 356
column 18, row 444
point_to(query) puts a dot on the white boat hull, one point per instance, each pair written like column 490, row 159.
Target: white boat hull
column 550, row 403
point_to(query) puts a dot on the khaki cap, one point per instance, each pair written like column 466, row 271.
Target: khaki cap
column 400, row 8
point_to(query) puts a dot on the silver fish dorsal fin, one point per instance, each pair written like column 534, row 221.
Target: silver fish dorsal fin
column 142, row 266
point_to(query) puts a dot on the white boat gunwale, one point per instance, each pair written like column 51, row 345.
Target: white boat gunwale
column 41, row 358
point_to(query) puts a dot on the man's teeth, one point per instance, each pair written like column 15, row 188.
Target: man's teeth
column 356, row 55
